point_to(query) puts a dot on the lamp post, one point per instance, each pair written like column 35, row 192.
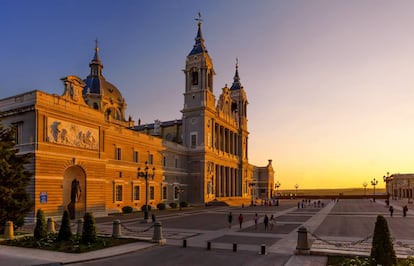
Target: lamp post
column 365, row 184
column 296, row 186
column 387, row 180
column 277, row 185
column 180, row 191
column 251, row 186
column 374, row 182
column 145, row 174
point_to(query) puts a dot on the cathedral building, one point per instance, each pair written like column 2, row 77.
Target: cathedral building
column 88, row 157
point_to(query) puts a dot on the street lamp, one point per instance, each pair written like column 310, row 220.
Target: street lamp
column 251, row 186
column 374, row 182
column 180, row 191
column 277, row 185
column 145, row 174
column 387, row 179
column 365, row 184
column 296, row 186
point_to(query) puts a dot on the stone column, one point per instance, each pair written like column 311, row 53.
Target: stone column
column 51, row 225
column 79, row 228
column 116, row 229
column 303, row 243
column 158, row 237
column 9, row 230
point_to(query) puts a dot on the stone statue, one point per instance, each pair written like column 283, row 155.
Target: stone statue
column 75, row 194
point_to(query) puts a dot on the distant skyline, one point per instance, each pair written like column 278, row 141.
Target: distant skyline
column 330, row 84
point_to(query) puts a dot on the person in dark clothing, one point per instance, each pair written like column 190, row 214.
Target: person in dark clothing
column 230, row 219
column 266, row 222
column 241, row 220
column 391, row 210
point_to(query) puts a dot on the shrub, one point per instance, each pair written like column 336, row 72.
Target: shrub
column 127, row 209
column 161, row 206
column 65, row 233
column 173, row 205
column 89, row 229
column 183, row 204
column 143, row 207
column 40, row 230
column 382, row 251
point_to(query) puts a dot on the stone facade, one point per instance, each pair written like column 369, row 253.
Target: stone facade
column 400, row 186
column 88, row 157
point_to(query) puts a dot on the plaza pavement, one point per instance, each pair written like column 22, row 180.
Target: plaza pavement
column 340, row 227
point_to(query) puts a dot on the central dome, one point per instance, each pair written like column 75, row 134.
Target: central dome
column 101, row 94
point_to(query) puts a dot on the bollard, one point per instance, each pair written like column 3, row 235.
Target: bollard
column 234, row 247
column 184, row 243
column 208, row 245
column 51, row 225
column 116, row 229
column 158, row 237
column 79, row 227
column 263, row 249
column 9, row 230
column 303, row 243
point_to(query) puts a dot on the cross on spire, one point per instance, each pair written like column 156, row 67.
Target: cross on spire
column 199, row 18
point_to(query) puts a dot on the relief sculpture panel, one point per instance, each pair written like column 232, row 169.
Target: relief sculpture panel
column 63, row 132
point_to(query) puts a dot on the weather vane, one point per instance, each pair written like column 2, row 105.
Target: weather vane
column 199, row 18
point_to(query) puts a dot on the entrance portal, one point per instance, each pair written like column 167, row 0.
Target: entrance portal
column 74, row 191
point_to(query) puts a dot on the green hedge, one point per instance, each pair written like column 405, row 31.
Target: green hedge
column 161, row 206
column 127, row 209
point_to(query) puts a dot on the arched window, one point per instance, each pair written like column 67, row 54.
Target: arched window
column 194, row 77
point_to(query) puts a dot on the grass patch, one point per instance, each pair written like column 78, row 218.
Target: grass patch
column 73, row 245
column 362, row 261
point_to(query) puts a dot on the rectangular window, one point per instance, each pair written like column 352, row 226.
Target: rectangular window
column 118, row 193
column 176, row 193
column 152, row 193
column 18, row 132
column 135, row 156
column 164, row 192
column 150, row 158
column 193, row 140
column 136, row 193
column 164, row 161
column 176, row 163
column 194, row 78
column 118, row 153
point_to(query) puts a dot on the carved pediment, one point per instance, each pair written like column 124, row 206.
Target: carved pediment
column 73, row 89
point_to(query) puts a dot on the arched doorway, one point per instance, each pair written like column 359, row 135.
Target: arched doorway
column 74, row 191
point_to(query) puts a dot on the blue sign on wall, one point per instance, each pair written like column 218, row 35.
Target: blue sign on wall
column 43, row 197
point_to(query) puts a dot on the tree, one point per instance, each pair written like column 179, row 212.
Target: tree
column 40, row 230
column 89, row 229
column 15, row 201
column 382, row 251
column 65, row 233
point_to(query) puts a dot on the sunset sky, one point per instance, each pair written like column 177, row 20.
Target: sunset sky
column 330, row 84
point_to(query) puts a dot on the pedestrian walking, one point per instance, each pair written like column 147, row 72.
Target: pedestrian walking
column 256, row 219
column 391, row 210
column 230, row 219
column 272, row 222
column 266, row 222
column 153, row 218
column 405, row 210
column 241, row 218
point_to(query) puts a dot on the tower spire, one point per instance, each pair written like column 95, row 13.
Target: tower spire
column 96, row 64
column 199, row 46
column 236, row 80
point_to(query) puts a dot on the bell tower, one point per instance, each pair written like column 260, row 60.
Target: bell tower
column 199, row 100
